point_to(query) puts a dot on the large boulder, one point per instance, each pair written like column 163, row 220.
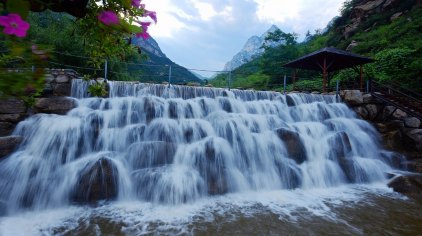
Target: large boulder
column 54, row 105
column 362, row 112
column 8, row 144
column 413, row 139
column 97, row 181
column 6, row 128
column 295, row 148
column 340, row 145
column 12, row 106
column 372, row 111
column 150, row 154
column 62, row 89
column 353, row 97
column 412, row 122
column 409, row 185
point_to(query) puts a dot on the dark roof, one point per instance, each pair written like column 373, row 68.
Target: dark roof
column 336, row 60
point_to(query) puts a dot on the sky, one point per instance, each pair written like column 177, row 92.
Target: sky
column 205, row 34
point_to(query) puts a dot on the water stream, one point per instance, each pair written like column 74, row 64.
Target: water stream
column 185, row 160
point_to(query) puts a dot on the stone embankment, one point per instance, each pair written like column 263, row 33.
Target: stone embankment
column 54, row 100
column 400, row 133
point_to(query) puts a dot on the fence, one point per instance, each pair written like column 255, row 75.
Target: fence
column 149, row 72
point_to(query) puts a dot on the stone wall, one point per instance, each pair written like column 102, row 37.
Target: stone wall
column 54, row 100
column 400, row 133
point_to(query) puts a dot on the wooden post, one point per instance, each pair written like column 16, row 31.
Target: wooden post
column 361, row 78
column 324, row 72
column 294, row 79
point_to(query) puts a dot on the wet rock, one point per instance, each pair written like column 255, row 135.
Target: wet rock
column 154, row 184
column 367, row 98
column 409, row 185
column 353, row 97
column 213, row 169
column 387, row 112
column 12, row 106
column 6, row 128
column 362, row 112
column 340, row 145
column 8, row 145
column 399, row 114
column 150, row 154
column 394, row 159
column 412, row 122
column 54, row 105
column 97, row 181
column 135, row 133
column 226, row 105
column 394, row 125
column 413, row 139
column 372, row 111
column 348, row 167
column 414, row 166
column 62, row 79
column 393, row 140
column 12, row 118
column 290, row 174
column 295, row 148
column 151, row 109
column 173, row 110
column 290, row 101
column 62, row 89
column 48, row 78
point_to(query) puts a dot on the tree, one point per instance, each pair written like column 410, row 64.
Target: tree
column 105, row 28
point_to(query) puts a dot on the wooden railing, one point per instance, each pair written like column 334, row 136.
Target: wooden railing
column 404, row 99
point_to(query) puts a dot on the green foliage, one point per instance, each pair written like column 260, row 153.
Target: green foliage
column 392, row 62
column 306, row 85
column 97, row 89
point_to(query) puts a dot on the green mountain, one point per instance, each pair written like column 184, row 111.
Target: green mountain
column 390, row 31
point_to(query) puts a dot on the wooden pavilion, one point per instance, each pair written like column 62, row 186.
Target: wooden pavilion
column 329, row 59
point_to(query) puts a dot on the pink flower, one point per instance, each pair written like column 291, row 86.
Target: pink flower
column 144, row 34
column 108, row 18
column 136, row 3
column 151, row 14
column 14, row 25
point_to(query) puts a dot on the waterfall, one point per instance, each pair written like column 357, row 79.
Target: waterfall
column 176, row 144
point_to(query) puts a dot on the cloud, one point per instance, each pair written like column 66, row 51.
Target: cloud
column 205, row 34
column 298, row 15
column 171, row 18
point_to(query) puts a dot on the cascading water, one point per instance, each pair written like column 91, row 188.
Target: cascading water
column 171, row 145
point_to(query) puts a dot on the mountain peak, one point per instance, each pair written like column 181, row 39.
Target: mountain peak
column 252, row 48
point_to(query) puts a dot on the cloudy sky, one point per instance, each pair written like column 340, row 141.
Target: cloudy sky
column 205, row 34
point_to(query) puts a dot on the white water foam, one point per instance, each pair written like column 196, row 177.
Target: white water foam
column 140, row 218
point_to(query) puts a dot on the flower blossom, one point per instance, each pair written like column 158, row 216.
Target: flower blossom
column 144, row 34
column 151, row 14
column 136, row 3
column 14, row 25
column 108, row 18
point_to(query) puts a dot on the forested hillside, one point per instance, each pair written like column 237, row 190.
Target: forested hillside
column 388, row 31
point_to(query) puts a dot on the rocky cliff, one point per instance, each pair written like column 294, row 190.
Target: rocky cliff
column 363, row 10
column 252, row 49
column 149, row 46
column 152, row 50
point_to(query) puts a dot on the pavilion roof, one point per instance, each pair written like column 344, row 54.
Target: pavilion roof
column 336, row 59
